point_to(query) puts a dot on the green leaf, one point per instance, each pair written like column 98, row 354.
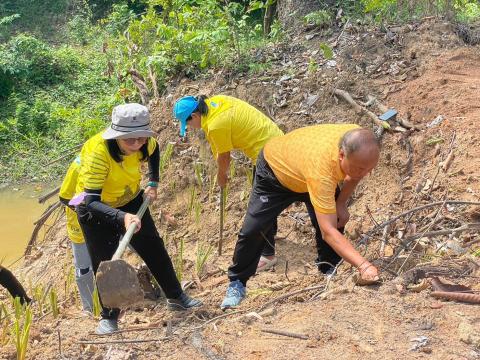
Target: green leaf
column 327, row 51
column 255, row 5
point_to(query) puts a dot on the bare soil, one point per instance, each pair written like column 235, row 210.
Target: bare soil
column 423, row 70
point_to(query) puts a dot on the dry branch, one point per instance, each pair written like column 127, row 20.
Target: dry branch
column 443, row 232
column 285, row 333
column 456, row 296
column 220, row 317
column 85, row 342
column 296, row 292
column 48, row 195
column 38, row 224
column 360, row 109
column 141, row 85
column 70, row 154
column 367, row 236
column 401, row 121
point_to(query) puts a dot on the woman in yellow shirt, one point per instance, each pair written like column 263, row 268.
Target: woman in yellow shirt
column 108, row 195
column 230, row 124
column 81, row 259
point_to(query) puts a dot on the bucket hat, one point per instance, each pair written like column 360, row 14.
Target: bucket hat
column 129, row 121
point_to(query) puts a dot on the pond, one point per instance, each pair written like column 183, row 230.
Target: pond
column 19, row 209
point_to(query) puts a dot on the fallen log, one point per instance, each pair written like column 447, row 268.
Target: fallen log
column 360, row 109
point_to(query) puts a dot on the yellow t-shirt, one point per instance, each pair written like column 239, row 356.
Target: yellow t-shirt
column 234, row 124
column 67, row 191
column 306, row 160
column 119, row 182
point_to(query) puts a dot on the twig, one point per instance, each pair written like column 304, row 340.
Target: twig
column 284, row 296
column 285, row 333
column 59, row 343
column 169, row 330
column 370, row 215
column 420, row 236
column 61, row 158
column 395, row 218
column 48, row 195
column 286, row 270
column 444, row 165
column 335, row 43
column 220, row 317
column 384, row 241
column 85, row 342
column 38, row 224
column 452, row 231
column 329, row 280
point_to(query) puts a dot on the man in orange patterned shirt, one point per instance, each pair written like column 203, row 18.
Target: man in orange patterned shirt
column 306, row 165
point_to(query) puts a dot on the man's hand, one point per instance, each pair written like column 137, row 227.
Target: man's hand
column 368, row 272
column 342, row 215
column 132, row 219
column 151, row 193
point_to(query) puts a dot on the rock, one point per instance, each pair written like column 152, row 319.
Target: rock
column 268, row 312
column 469, row 332
column 436, row 305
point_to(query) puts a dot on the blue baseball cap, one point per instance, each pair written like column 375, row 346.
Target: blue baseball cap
column 183, row 108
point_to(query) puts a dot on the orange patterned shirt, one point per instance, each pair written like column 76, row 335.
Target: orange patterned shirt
column 306, row 160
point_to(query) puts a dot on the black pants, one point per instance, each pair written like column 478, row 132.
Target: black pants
column 267, row 200
column 10, row 282
column 269, row 247
column 102, row 240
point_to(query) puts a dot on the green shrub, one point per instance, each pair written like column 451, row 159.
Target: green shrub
column 25, row 58
column 320, row 18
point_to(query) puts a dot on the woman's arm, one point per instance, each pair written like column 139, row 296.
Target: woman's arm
column 223, row 162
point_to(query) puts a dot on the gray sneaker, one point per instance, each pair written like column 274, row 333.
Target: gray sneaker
column 107, row 326
column 183, row 302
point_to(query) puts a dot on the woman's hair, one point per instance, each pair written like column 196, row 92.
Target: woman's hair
column 116, row 153
column 202, row 107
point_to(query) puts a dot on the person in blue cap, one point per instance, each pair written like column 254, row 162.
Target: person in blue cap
column 230, row 124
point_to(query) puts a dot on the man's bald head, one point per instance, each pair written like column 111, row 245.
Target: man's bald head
column 361, row 142
column 359, row 153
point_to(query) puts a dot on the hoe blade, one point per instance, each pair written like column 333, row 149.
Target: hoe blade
column 117, row 284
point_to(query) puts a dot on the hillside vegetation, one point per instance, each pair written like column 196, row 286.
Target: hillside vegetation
column 65, row 63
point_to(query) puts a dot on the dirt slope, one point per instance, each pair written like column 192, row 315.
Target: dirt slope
column 423, row 70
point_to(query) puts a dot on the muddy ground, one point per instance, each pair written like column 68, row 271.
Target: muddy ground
column 423, row 70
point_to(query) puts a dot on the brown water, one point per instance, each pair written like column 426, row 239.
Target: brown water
column 19, row 208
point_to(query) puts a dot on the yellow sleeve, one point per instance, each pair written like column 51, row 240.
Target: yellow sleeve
column 95, row 168
column 67, row 189
column 322, row 194
column 152, row 144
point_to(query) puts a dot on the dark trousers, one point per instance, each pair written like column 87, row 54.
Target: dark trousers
column 10, row 282
column 267, row 200
column 102, row 240
column 269, row 247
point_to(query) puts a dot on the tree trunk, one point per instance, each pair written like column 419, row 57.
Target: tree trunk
column 268, row 19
